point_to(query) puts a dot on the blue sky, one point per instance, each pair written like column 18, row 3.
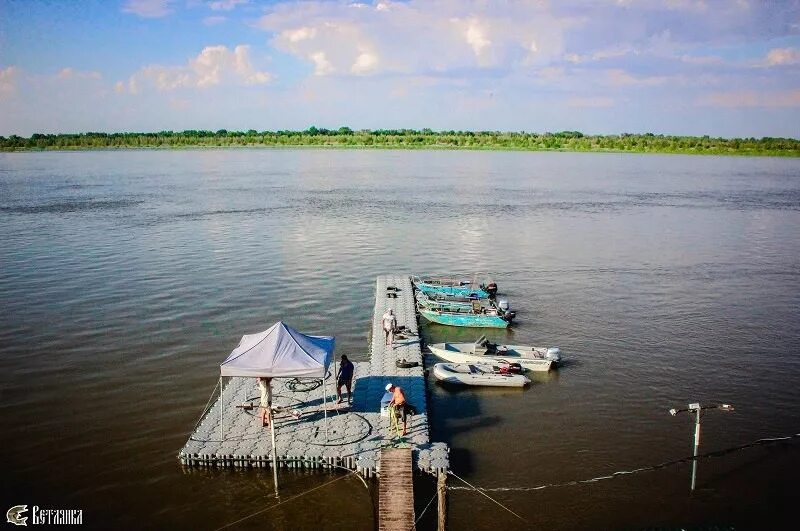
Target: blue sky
column 716, row 67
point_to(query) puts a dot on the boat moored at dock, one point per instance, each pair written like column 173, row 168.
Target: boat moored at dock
column 478, row 375
column 455, row 287
column 538, row 359
column 477, row 317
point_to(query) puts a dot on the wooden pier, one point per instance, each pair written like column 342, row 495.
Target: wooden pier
column 395, row 492
column 230, row 434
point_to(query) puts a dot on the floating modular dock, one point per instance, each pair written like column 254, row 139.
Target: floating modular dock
column 229, row 433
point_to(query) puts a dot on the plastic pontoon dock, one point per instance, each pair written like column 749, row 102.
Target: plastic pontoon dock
column 355, row 434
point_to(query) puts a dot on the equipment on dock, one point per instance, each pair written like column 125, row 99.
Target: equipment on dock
column 483, row 351
column 479, row 375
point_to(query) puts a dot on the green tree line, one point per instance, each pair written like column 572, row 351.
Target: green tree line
column 344, row 137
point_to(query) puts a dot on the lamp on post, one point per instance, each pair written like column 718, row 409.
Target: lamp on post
column 697, row 409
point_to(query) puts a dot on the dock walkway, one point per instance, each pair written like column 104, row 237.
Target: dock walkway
column 395, row 495
column 355, row 435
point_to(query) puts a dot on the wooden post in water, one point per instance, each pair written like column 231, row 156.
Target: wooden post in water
column 441, row 490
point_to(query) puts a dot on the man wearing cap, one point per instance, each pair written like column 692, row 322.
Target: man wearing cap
column 398, row 402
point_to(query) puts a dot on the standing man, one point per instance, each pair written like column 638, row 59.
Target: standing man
column 345, row 378
column 265, row 386
column 398, row 402
column 389, row 322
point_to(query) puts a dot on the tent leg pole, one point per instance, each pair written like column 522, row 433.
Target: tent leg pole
column 274, row 455
column 325, row 406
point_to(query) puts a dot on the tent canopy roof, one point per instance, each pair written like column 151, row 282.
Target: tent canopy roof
column 280, row 352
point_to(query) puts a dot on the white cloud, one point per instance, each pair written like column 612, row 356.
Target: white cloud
column 214, row 65
column 590, row 102
column 8, row 81
column 418, row 37
column 365, row 63
column 783, row 56
column 71, row 73
column 300, row 34
column 322, row 66
column 225, row 5
column 119, row 87
column 148, row 8
column 621, row 78
column 476, row 36
column 214, row 20
column 751, row 98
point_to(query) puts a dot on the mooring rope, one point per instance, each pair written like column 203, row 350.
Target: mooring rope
column 716, row 453
column 414, row 525
column 287, row 500
column 481, row 491
column 205, row 409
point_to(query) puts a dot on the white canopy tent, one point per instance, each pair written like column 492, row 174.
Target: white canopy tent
column 279, row 352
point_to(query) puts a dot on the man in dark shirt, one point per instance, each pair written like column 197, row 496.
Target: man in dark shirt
column 345, row 378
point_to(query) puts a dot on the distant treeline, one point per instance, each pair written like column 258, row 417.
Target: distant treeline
column 345, row 137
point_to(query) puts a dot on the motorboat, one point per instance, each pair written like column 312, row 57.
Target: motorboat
column 475, row 317
column 478, row 374
column 482, row 351
column 437, row 301
column 455, row 287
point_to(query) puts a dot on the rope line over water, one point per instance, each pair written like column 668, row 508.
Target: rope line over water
column 287, row 500
column 481, row 491
column 716, row 453
column 205, row 409
column 414, row 525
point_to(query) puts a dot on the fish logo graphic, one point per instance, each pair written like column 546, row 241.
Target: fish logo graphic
column 14, row 515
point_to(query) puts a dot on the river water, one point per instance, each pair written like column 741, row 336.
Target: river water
column 126, row 277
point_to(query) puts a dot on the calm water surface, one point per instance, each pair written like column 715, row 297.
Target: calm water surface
column 127, row 277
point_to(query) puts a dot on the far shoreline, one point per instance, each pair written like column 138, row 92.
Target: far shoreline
column 311, row 147
column 317, row 147
column 407, row 139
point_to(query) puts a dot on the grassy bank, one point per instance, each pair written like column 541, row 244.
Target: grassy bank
column 411, row 139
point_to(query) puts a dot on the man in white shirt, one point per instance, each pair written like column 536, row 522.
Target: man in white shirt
column 389, row 323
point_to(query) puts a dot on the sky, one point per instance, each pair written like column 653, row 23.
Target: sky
column 728, row 68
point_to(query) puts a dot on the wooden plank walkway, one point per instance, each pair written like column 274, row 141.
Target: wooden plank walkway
column 396, row 490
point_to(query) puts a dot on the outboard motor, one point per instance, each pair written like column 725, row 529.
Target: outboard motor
column 503, row 304
column 553, row 354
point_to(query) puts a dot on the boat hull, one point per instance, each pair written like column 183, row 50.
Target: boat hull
column 446, row 305
column 464, row 320
column 460, row 353
column 453, row 291
column 460, row 374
